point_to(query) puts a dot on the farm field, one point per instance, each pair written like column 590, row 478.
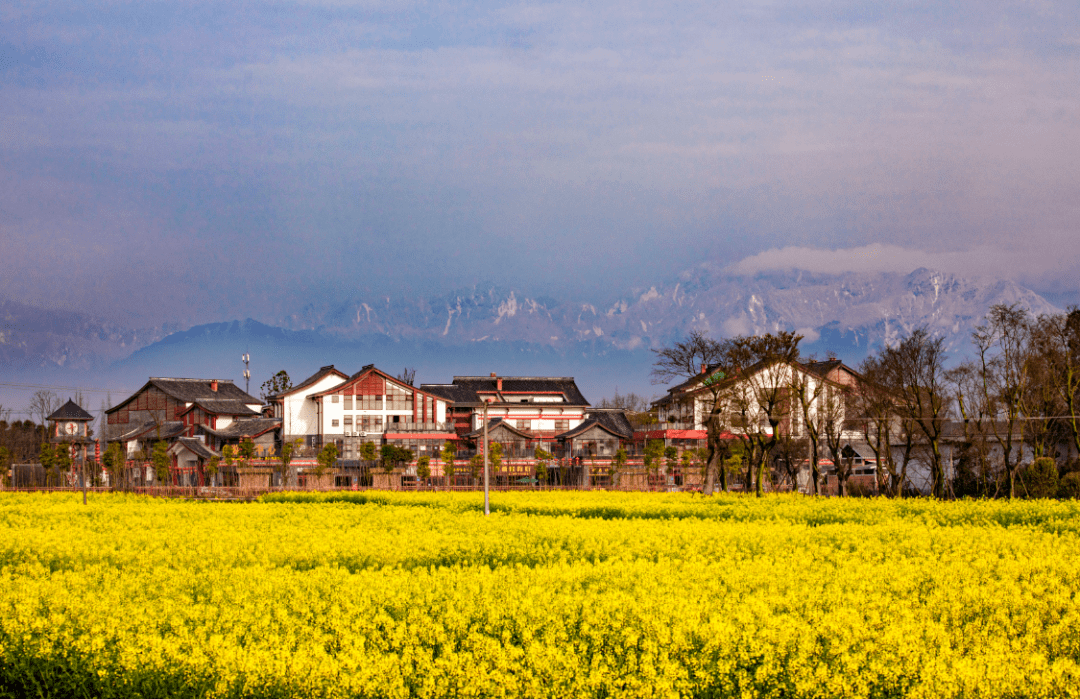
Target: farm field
column 378, row 594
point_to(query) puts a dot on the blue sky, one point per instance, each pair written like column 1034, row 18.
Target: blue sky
column 197, row 161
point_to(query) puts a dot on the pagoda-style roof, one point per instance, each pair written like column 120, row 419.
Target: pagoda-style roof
column 70, row 411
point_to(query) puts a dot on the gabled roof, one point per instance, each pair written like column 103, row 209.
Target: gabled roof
column 469, row 389
column 221, row 407
column 192, row 390
column 364, row 373
column 70, row 411
column 169, row 430
column 196, row 447
column 588, row 425
column 318, row 376
column 824, row 368
column 614, row 420
column 499, row 422
column 693, row 386
column 244, row 428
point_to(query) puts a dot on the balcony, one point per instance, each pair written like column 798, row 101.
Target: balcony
column 676, row 424
column 410, row 427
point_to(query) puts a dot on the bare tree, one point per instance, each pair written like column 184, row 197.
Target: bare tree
column 875, row 406
column 407, row 375
column 760, row 394
column 831, row 409
column 43, row 404
column 807, row 390
column 1056, row 344
column 974, row 474
column 914, row 371
column 686, row 360
column 1002, row 346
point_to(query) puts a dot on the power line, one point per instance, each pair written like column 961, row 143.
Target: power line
column 84, row 389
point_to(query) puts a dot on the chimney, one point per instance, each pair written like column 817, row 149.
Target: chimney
column 213, row 385
column 498, row 384
column 704, row 368
column 493, row 374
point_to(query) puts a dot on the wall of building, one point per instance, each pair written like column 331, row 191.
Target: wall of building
column 298, row 413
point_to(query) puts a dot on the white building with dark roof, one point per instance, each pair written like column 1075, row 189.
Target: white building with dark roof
column 541, row 406
column 298, row 412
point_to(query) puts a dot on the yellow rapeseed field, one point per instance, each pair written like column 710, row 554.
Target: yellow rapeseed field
column 553, row 595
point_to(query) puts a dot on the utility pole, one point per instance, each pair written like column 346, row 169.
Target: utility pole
column 247, row 374
column 487, row 501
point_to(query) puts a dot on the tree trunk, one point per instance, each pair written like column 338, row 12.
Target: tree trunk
column 711, row 464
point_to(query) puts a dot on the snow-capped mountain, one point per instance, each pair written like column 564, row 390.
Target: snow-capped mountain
column 842, row 313
column 496, row 329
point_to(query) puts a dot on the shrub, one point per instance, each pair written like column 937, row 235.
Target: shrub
column 1069, row 486
column 1041, row 478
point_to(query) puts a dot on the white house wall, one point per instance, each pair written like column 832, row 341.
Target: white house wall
column 300, row 418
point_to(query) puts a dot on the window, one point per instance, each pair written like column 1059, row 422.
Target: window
column 348, row 420
column 562, row 426
column 523, row 424
column 334, row 398
column 348, row 403
column 333, row 423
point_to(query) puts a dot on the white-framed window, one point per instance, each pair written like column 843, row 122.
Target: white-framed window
column 562, row 426
column 348, row 420
column 335, row 398
column 333, row 423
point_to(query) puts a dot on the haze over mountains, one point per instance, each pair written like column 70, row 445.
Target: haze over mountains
column 489, row 328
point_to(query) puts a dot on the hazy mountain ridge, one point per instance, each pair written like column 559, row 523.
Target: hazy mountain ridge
column 33, row 337
column 866, row 309
column 843, row 314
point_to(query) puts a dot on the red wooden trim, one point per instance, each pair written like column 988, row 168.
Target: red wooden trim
column 417, row 435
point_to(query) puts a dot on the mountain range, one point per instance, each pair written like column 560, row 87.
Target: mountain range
column 489, row 328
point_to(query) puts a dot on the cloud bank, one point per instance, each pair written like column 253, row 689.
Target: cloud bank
column 207, row 161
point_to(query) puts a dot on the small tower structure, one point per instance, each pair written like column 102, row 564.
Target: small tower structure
column 70, row 425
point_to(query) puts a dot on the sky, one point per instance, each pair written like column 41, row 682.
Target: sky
column 188, row 161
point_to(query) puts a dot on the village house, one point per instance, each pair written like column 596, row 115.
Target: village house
column 163, row 400
column 683, row 414
column 369, row 406
column 298, row 410
column 195, row 417
column 536, row 408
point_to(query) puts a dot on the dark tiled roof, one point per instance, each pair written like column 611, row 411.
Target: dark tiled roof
column 451, row 392
column 169, row 430
column 588, row 425
column 499, row 422
column 467, row 389
column 196, row 447
column 245, row 428
column 613, row 419
column 70, row 411
column 192, row 390
column 225, row 407
column 822, row 368
column 313, row 379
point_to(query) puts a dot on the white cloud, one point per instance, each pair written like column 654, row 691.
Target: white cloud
column 1043, row 259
